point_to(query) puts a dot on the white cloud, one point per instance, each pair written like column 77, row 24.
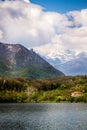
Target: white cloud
column 30, row 25
column 1, row 34
column 79, row 17
column 27, row 1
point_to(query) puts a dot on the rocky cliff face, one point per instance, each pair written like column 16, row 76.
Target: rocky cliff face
column 16, row 60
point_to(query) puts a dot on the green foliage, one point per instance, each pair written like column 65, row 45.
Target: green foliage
column 12, row 96
column 49, row 90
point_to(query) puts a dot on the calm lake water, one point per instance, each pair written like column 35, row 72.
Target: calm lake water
column 50, row 116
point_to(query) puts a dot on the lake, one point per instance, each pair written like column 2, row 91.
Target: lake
column 45, row 116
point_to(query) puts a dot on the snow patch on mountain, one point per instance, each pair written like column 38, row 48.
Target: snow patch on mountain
column 70, row 62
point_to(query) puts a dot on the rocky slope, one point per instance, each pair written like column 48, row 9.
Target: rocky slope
column 18, row 61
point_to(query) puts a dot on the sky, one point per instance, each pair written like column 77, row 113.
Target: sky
column 45, row 25
column 61, row 6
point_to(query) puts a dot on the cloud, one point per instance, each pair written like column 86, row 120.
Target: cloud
column 19, row 22
column 30, row 25
column 27, row 1
column 1, row 34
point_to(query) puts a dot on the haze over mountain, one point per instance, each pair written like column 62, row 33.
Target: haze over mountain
column 17, row 61
column 69, row 62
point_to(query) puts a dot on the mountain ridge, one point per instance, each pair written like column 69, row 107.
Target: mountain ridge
column 72, row 63
column 17, row 61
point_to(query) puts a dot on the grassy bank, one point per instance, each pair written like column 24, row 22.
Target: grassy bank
column 49, row 90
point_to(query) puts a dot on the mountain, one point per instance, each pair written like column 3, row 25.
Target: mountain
column 69, row 62
column 76, row 66
column 16, row 60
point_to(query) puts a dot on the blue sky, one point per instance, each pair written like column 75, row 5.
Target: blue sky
column 61, row 6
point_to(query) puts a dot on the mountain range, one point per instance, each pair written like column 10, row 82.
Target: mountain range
column 18, row 61
column 69, row 62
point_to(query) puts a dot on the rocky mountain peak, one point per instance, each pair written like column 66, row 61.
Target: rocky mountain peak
column 16, row 60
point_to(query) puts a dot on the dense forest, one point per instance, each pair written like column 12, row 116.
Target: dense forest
column 61, row 89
